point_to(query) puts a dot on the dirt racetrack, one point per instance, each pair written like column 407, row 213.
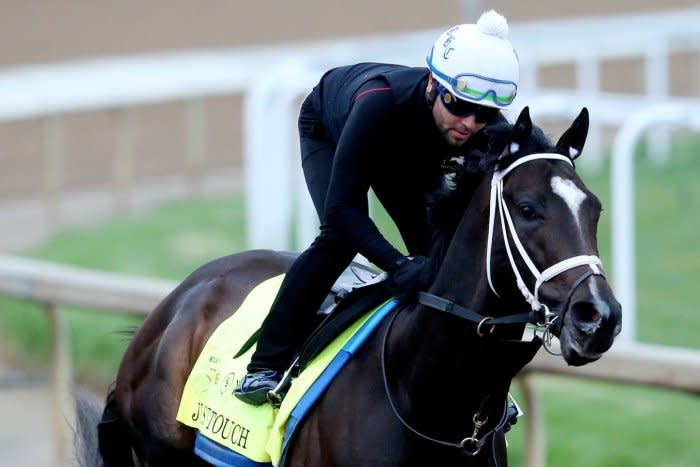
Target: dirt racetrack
column 25, row 434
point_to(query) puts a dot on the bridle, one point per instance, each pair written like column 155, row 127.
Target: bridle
column 498, row 205
column 540, row 315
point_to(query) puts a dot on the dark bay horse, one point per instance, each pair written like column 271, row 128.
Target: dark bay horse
column 430, row 386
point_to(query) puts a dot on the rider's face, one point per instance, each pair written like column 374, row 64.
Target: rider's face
column 455, row 129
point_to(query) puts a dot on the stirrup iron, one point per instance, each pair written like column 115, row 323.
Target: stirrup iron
column 276, row 395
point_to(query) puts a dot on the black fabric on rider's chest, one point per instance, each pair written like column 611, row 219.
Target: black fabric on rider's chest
column 411, row 131
column 388, row 145
column 335, row 95
column 411, row 135
column 409, row 143
column 414, row 150
column 412, row 160
column 404, row 161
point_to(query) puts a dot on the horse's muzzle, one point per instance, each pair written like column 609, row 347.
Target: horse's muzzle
column 589, row 329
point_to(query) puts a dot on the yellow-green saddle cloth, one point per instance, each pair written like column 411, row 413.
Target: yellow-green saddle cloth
column 233, row 433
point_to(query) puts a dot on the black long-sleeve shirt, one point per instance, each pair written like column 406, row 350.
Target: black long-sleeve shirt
column 379, row 119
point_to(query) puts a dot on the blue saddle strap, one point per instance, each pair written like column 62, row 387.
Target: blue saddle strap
column 323, row 381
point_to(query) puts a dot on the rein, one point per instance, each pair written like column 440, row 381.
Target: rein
column 470, row 446
column 448, row 306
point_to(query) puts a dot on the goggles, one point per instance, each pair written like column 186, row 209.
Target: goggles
column 476, row 87
column 460, row 108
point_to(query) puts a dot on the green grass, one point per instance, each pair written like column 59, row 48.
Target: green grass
column 587, row 423
column 602, row 424
column 667, row 199
column 168, row 243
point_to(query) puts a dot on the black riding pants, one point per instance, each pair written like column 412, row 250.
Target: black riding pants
column 312, row 275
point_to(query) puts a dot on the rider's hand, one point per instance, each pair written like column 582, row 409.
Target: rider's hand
column 409, row 275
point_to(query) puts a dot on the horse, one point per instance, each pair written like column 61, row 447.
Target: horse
column 430, row 385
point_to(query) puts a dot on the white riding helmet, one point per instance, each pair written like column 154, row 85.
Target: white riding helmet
column 476, row 62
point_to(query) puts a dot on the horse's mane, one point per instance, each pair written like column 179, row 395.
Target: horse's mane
column 447, row 204
column 536, row 142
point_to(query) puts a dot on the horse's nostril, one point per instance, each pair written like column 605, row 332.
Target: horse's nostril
column 585, row 312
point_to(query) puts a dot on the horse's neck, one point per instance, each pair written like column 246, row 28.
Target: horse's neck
column 462, row 275
column 439, row 357
column 441, row 374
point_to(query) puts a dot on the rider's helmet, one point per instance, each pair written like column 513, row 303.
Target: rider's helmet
column 476, row 62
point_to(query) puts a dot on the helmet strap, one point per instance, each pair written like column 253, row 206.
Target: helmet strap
column 431, row 95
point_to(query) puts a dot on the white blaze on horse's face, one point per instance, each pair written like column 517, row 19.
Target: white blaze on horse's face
column 573, row 196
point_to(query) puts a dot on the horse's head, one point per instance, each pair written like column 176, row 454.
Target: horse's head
column 542, row 242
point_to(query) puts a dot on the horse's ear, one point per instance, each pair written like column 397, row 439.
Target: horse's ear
column 572, row 141
column 523, row 125
column 521, row 130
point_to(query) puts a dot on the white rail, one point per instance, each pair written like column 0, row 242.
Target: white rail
column 37, row 91
column 46, row 282
column 55, row 286
column 674, row 114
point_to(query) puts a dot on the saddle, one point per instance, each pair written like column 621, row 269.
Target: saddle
column 358, row 289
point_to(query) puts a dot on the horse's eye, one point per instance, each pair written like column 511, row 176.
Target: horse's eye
column 526, row 211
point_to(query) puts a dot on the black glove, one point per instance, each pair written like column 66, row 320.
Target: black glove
column 408, row 276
